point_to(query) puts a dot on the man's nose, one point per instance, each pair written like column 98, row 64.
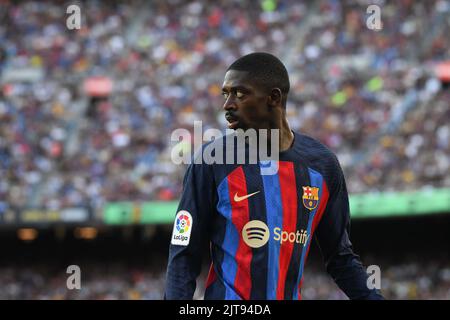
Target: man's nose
column 229, row 103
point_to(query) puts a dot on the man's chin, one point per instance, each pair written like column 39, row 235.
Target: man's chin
column 234, row 125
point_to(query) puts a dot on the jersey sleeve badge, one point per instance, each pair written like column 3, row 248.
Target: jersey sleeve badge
column 182, row 228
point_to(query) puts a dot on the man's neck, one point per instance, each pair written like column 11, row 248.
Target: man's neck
column 286, row 136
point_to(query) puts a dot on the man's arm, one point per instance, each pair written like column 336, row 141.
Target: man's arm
column 189, row 233
column 332, row 236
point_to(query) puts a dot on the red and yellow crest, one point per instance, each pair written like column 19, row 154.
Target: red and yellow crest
column 310, row 197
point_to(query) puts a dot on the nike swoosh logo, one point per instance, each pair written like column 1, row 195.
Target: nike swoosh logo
column 237, row 198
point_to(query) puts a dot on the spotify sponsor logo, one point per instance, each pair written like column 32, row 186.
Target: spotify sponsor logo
column 256, row 234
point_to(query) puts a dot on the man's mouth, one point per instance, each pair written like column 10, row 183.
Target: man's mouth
column 232, row 121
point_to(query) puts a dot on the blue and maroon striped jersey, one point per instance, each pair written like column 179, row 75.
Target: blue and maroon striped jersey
column 260, row 227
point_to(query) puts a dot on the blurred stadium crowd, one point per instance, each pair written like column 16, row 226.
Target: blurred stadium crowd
column 368, row 95
column 408, row 280
column 371, row 96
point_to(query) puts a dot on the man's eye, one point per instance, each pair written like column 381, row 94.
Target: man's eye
column 239, row 94
column 225, row 95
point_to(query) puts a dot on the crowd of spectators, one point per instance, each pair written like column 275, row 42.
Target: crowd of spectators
column 406, row 280
column 166, row 60
column 409, row 280
column 61, row 147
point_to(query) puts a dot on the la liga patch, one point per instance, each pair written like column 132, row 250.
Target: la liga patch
column 182, row 228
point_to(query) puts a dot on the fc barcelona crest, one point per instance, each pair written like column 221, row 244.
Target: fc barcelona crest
column 310, row 197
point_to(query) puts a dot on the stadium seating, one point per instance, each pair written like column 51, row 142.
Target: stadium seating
column 371, row 97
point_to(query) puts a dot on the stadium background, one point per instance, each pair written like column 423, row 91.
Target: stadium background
column 86, row 117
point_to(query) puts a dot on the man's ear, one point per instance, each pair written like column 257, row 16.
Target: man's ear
column 275, row 97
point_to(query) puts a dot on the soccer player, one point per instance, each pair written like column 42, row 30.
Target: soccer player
column 260, row 226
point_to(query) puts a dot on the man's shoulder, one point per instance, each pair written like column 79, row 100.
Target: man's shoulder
column 212, row 149
column 313, row 150
column 319, row 158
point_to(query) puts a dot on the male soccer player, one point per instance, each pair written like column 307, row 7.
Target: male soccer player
column 260, row 226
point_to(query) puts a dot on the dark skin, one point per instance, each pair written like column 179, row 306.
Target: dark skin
column 249, row 105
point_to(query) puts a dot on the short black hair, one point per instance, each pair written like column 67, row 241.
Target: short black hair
column 266, row 70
